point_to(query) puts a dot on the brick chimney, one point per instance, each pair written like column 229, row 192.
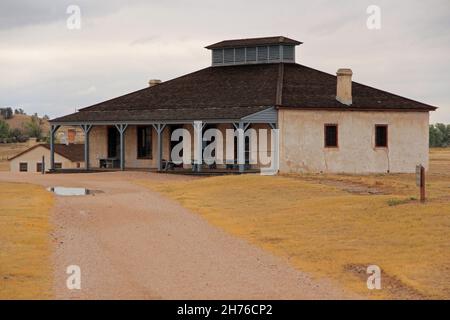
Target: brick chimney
column 154, row 82
column 344, row 86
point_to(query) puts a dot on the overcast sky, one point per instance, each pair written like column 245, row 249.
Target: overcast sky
column 49, row 69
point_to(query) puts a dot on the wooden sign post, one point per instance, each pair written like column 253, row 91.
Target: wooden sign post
column 420, row 181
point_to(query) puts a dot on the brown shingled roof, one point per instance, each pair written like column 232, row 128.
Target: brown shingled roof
column 73, row 152
column 253, row 42
column 305, row 87
column 234, row 92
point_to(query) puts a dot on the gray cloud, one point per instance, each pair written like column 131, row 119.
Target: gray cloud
column 22, row 13
column 122, row 44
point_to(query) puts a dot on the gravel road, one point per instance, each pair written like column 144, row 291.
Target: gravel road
column 133, row 243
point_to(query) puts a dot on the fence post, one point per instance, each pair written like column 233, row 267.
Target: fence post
column 420, row 181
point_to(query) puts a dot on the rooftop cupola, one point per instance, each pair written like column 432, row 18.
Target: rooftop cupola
column 253, row 51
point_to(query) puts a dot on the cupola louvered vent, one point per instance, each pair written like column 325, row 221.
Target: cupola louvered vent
column 228, row 55
column 251, row 55
column 239, row 55
column 217, row 56
column 274, row 52
column 253, row 51
column 263, row 54
column 289, row 52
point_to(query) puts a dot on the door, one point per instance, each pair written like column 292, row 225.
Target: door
column 113, row 142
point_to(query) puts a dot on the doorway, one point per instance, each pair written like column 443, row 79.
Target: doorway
column 113, row 143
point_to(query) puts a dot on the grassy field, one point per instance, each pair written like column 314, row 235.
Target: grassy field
column 25, row 269
column 337, row 225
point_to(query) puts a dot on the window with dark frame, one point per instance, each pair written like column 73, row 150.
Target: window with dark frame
column 331, row 135
column 381, row 136
column 23, row 166
column 144, row 142
column 38, row 166
column 58, row 165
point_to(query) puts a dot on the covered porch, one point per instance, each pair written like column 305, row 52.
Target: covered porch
column 147, row 145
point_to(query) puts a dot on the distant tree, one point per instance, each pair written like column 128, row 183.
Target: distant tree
column 16, row 135
column 33, row 127
column 445, row 129
column 19, row 111
column 7, row 113
column 46, row 138
column 439, row 135
column 45, row 117
column 435, row 136
column 4, row 129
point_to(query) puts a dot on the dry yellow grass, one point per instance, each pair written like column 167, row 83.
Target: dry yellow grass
column 25, row 248
column 19, row 120
column 11, row 149
column 8, row 150
column 337, row 225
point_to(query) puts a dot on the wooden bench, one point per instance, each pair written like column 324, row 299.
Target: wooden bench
column 109, row 163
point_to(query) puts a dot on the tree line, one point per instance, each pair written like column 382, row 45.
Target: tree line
column 440, row 135
column 8, row 112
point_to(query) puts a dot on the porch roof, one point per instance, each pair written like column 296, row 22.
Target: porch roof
column 175, row 115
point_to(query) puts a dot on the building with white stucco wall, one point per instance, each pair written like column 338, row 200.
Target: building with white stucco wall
column 327, row 123
column 37, row 158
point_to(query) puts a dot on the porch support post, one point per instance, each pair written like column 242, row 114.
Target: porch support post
column 122, row 128
column 86, row 129
column 159, row 127
column 241, row 146
column 53, row 129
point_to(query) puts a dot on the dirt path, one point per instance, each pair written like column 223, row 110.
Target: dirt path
column 134, row 243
